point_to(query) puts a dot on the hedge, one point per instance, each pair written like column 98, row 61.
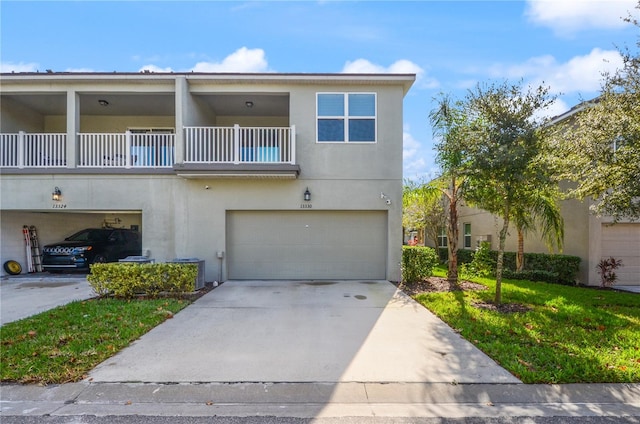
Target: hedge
column 564, row 267
column 418, row 263
column 126, row 280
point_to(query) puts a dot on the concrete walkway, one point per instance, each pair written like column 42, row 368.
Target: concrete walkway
column 284, row 331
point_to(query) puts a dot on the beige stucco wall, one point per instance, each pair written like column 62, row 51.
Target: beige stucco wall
column 182, row 217
column 178, row 217
column 582, row 235
column 16, row 117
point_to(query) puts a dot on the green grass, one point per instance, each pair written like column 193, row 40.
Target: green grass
column 63, row 344
column 571, row 334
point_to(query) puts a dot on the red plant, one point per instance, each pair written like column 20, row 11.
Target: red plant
column 606, row 268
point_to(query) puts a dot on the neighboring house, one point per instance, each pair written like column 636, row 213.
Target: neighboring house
column 586, row 236
column 263, row 176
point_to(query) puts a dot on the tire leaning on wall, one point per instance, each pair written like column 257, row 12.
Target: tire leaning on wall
column 12, row 267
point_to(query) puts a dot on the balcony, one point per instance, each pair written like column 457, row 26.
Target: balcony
column 207, row 152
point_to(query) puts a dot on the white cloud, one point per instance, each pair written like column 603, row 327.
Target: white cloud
column 242, row 60
column 154, row 68
column 85, row 70
column 7, row 67
column 569, row 16
column 556, row 108
column 402, row 66
column 578, row 74
column 410, row 145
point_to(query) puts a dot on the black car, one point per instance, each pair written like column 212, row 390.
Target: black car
column 89, row 246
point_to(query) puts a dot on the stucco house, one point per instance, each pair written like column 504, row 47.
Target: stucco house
column 587, row 236
column 262, row 176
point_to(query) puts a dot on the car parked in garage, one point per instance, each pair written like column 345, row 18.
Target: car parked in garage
column 89, row 246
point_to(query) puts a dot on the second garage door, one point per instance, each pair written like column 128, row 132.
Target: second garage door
column 306, row 244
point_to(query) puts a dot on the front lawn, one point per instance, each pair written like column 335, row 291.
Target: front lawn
column 63, row 344
column 570, row 334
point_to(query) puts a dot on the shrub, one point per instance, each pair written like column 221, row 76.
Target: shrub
column 126, row 280
column 482, row 264
column 606, row 268
column 564, row 267
column 417, row 263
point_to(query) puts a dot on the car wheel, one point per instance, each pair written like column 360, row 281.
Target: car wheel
column 99, row 259
column 12, row 267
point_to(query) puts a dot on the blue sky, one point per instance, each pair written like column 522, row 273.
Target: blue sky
column 450, row 45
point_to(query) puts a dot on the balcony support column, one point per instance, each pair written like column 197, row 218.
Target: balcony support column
column 292, row 144
column 73, row 127
column 182, row 93
column 22, row 139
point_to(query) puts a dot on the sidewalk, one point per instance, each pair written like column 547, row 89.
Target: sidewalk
column 323, row 400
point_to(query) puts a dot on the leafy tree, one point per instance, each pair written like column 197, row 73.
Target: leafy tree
column 451, row 128
column 504, row 150
column 601, row 147
column 423, row 208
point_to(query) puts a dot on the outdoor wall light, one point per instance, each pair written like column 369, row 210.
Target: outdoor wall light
column 103, row 102
column 307, row 195
column 248, row 104
column 56, row 195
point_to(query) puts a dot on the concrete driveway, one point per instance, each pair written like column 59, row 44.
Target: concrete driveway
column 24, row 295
column 285, row 331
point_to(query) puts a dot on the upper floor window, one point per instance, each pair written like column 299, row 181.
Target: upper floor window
column 346, row 117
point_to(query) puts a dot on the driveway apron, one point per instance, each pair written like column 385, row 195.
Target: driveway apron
column 302, row 331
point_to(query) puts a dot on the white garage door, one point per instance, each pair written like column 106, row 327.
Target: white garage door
column 622, row 241
column 306, row 245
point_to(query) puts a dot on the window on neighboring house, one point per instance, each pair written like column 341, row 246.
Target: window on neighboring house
column 346, row 117
column 467, row 235
column 442, row 238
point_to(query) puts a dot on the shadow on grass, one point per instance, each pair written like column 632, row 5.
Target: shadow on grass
column 570, row 335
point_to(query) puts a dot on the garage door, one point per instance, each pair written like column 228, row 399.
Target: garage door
column 306, row 245
column 622, row 241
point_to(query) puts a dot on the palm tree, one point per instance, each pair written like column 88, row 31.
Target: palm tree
column 541, row 212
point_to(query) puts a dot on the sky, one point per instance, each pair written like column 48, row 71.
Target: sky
column 451, row 46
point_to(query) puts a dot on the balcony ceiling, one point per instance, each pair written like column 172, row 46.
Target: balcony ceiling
column 235, row 104
column 119, row 104
column 150, row 104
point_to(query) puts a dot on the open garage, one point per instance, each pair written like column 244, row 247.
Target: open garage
column 306, row 244
column 54, row 226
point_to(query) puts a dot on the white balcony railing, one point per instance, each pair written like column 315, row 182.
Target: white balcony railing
column 240, row 145
column 22, row 150
column 203, row 145
column 107, row 150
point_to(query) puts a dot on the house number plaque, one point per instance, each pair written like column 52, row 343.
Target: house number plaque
column 306, row 206
column 58, row 206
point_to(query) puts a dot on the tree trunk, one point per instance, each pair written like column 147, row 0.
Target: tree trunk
column 452, row 236
column 503, row 238
column 520, row 255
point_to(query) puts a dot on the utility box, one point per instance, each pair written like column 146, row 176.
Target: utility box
column 200, row 283
column 138, row 260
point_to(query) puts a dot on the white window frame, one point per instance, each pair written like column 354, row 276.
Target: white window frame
column 346, row 117
column 443, row 237
column 466, row 236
